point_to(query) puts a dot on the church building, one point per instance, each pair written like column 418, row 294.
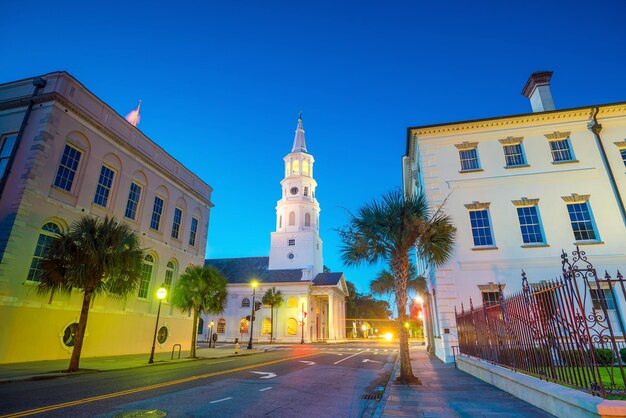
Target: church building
column 314, row 300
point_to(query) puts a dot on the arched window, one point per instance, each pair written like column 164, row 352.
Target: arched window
column 243, row 326
column 292, row 218
column 280, row 221
column 169, row 275
column 49, row 232
column 292, row 302
column 221, row 326
column 295, row 167
column 307, row 219
column 306, row 191
column 292, row 326
column 245, row 303
column 146, row 276
column 200, row 325
column 305, row 168
column 267, row 326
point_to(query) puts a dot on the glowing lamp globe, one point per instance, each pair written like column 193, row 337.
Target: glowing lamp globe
column 161, row 293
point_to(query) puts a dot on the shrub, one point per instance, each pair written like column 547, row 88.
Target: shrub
column 605, row 356
column 622, row 354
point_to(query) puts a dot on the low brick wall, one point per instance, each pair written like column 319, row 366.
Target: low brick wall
column 555, row 399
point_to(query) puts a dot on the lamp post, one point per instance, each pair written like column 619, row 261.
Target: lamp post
column 364, row 328
column 161, row 294
column 302, row 324
column 254, row 284
column 210, row 332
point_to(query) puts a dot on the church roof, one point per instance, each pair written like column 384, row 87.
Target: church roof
column 299, row 145
column 246, row 269
column 327, row 279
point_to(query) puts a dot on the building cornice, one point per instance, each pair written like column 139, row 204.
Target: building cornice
column 556, row 135
column 478, row 205
column 581, row 113
column 524, row 201
column 509, row 140
column 576, row 198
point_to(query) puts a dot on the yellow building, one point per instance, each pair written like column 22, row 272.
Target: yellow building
column 63, row 154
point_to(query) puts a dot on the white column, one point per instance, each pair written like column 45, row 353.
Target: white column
column 342, row 334
column 331, row 317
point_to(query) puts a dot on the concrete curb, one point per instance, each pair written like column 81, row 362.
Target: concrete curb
column 62, row 374
column 383, row 401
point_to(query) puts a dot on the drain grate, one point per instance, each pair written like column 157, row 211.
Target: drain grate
column 375, row 396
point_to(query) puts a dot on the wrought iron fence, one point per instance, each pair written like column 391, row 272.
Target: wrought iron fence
column 568, row 330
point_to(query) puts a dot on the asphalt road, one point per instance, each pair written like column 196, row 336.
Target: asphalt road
column 287, row 381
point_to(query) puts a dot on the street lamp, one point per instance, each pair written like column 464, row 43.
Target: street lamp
column 254, row 284
column 161, row 294
column 210, row 332
column 364, row 328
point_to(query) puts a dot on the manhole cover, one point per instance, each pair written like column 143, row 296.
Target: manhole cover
column 152, row 413
column 372, row 396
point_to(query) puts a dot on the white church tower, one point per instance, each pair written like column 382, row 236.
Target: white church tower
column 296, row 244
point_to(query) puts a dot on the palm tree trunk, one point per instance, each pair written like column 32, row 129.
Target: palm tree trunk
column 400, row 269
column 272, row 323
column 80, row 333
column 194, row 327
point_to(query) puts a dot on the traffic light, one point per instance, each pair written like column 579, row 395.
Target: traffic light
column 257, row 306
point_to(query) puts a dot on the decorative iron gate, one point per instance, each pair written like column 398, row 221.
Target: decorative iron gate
column 568, row 330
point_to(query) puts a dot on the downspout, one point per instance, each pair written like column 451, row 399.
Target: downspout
column 596, row 128
column 38, row 83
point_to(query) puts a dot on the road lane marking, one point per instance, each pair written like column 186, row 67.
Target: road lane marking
column 330, row 352
column 268, row 375
column 145, row 388
column 346, row 358
column 222, row 400
column 264, row 389
column 308, row 363
column 370, row 361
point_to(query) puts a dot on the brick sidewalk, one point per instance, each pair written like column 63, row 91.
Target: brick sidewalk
column 449, row 392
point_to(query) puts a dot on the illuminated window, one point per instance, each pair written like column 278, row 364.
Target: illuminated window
column 157, row 211
column 307, row 219
column 67, row 168
column 49, row 232
column 146, row 276
column 296, row 167
column 133, row 201
column 267, row 326
column 193, row 231
column 221, row 326
column 7, row 143
column 292, row 218
column 292, row 302
column 178, row 217
column 305, row 168
column 243, row 326
column 105, row 182
column 245, row 303
column 292, row 326
column 200, row 325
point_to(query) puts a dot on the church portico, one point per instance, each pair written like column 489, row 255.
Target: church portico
column 313, row 301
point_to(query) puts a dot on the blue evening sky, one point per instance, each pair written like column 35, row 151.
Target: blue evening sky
column 222, row 84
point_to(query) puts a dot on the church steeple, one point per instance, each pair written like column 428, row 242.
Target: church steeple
column 299, row 144
column 296, row 244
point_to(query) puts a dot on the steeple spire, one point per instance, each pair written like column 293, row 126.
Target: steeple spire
column 299, row 145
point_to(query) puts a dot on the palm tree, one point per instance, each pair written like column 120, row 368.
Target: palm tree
column 273, row 298
column 97, row 256
column 389, row 230
column 382, row 285
column 201, row 289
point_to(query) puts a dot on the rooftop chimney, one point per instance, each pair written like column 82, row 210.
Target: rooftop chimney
column 537, row 90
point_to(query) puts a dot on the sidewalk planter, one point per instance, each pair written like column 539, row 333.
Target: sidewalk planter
column 553, row 398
